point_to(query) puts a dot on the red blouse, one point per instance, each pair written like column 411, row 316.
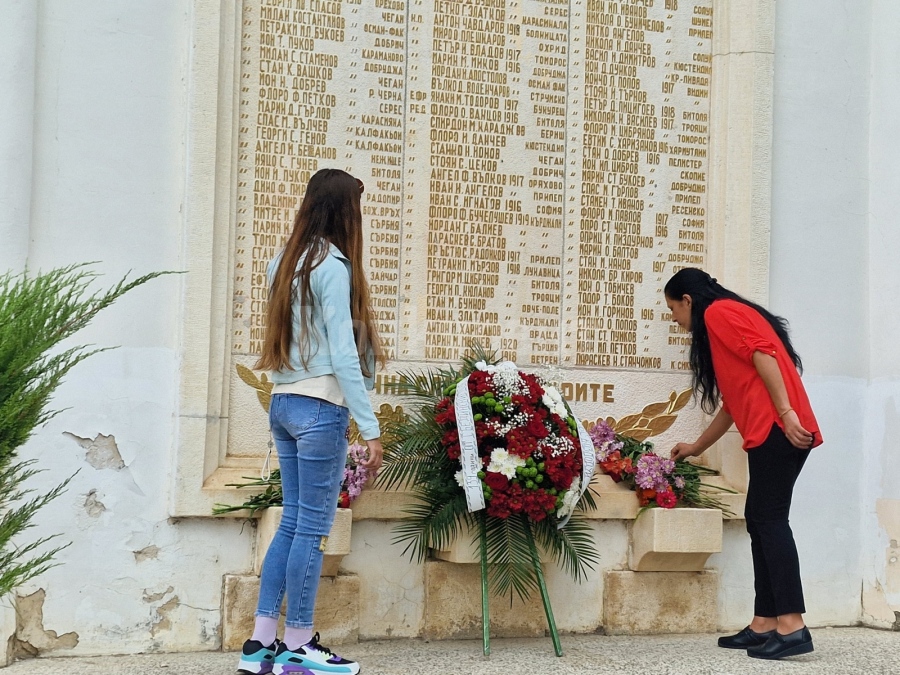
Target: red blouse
column 736, row 331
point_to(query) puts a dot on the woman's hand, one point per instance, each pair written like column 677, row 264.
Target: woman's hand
column 684, row 450
column 796, row 434
column 376, row 453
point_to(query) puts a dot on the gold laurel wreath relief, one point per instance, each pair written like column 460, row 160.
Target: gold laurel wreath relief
column 263, row 386
column 653, row 420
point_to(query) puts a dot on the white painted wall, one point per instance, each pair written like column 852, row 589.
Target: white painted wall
column 834, row 275
column 881, row 479
column 819, row 277
column 108, row 186
column 18, row 46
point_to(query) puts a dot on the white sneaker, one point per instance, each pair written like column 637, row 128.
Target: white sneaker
column 311, row 659
column 256, row 658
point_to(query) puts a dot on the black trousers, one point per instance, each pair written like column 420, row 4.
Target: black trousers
column 774, row 467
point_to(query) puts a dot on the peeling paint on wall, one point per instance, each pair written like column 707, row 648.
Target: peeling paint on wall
column 31, row 638
column 164, row 622
column 888, row 511
column 146, row 553
column 93, row 505
column 102, row 451
column 879, row 600
column 150, row 598
column 162, row 619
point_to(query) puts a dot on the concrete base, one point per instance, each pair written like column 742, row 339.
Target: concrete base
column 336, row 616
column 650, row 603
column 466, row 550
column 453, row 606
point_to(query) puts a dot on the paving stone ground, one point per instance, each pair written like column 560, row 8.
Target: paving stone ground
column 839, row 651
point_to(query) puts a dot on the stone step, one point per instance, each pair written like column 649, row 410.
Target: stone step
column 453, row 606
column 654, row 603
column 336, row 614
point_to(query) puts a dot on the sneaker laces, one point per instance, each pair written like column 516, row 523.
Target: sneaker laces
column 314, row 644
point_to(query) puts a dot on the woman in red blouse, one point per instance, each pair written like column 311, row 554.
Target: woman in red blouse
column 742, row 358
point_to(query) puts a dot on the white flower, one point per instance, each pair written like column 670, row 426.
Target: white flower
column 481, row 365
column 504, row 463
column 555, row 406
column 460, row 479
column 554, row 402
column 570, row 499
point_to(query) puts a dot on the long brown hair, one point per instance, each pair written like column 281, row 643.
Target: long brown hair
column 330, row 213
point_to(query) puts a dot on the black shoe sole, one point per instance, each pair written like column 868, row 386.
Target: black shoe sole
column 804, row 648
column 745, row 647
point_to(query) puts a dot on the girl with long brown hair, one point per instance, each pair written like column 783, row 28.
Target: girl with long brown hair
column 321, row 346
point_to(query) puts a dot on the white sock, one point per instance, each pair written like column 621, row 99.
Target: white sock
column 264, row 630
column 295, row 638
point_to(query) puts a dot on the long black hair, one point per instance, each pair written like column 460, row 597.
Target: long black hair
column 704, row 290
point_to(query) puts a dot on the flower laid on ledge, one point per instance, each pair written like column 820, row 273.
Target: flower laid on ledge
column 355, row 476
column 355, row 479
column 658, row 481
column 496, row 449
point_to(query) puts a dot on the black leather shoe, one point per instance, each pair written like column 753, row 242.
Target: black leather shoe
column 746, row 638
column 780, row 646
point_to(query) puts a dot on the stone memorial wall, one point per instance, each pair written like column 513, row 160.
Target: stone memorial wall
column 534, row 171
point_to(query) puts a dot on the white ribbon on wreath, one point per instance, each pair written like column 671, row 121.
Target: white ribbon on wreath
column 468, row 445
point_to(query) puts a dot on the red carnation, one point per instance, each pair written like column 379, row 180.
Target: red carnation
column 667, row 499
column 446, row 416
column 498, row 506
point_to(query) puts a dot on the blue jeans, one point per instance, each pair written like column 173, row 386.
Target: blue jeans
column 310, row 436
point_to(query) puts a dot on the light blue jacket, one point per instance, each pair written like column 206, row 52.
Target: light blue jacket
column 332, row 346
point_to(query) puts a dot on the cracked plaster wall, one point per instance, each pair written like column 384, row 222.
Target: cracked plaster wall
column 107, row 185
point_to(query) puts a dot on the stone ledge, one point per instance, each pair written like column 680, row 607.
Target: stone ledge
column 465, row 550
column 338, row 539
column 674, row 540
column 615, row 501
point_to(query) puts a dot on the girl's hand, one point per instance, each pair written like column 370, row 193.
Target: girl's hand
column 796, row 434
column 376, row 452
column 685, row 450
